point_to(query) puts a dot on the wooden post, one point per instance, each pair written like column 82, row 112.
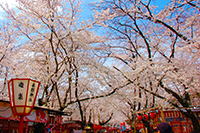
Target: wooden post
column 93, row 116
column 162, row 115
column 98, row 118
column 134, row 124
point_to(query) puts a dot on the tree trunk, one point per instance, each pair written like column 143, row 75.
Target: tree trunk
column 193, row 118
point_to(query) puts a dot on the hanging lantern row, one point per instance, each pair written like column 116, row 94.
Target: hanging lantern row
column 148, row 116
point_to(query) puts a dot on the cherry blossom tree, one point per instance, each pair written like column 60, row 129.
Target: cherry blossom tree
column 155, row 51
column 6, row 48
column 57, row 48
column 151, row 56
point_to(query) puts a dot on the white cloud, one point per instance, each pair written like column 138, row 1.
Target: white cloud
column 11, row 4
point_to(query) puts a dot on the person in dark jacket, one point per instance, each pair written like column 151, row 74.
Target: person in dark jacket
column 164, row 128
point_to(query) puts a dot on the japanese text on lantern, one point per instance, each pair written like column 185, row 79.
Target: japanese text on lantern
column 31, row 94
column 20, row 95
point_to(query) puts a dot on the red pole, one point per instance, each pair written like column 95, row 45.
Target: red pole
column 21, row 124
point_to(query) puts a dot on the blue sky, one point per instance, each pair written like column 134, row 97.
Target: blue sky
column 85, row 7
column 160, row 3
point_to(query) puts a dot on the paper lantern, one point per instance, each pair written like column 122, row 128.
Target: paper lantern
column 152, row 115
column 139, row 117
column 157, row 111
column 145, row 117
column 22, row 93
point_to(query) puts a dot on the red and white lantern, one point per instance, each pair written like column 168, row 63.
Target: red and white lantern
column 22, row 93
